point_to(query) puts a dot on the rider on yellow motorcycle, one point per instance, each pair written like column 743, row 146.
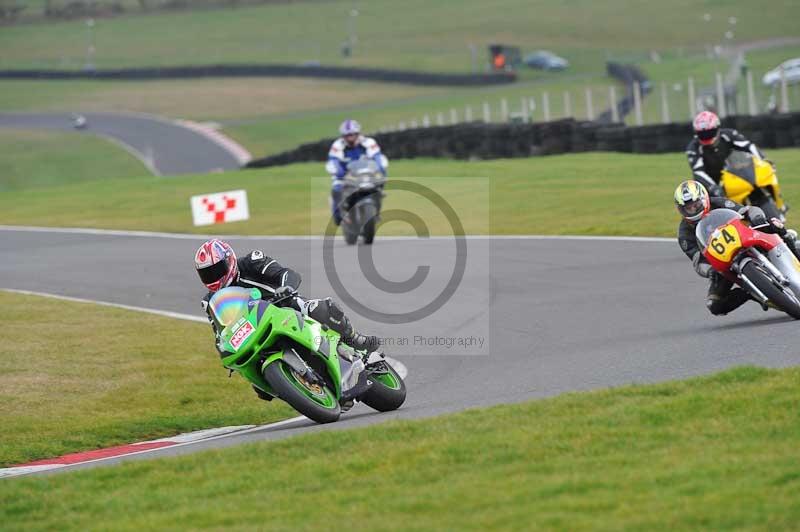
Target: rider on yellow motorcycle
column 710, row 148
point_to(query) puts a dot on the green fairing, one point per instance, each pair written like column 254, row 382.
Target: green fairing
column 276, row 323
column 278, row 350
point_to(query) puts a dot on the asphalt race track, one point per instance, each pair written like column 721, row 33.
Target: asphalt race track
column 165, row 146
column 557, row 315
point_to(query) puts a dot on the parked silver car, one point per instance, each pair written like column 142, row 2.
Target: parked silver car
column 791, row 69
column 545, row 60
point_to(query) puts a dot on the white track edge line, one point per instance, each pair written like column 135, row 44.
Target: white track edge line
column 228, row 144
column 145, row 451
column 165, row 313
column 236, row 150
column 27, row 470
column 401, row 369
column 139, row 156
column 190, row 236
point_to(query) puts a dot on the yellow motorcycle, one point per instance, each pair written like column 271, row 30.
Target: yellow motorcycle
column 750, row 180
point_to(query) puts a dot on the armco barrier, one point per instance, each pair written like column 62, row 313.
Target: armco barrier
column 329, row 72
column 477, row 140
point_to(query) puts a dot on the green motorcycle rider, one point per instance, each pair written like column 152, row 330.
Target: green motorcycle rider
column 218, row 268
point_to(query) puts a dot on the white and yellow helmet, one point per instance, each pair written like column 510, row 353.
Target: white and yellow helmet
column 692, row 201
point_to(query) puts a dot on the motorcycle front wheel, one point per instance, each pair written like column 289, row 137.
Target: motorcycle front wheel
column 316, row 402
column 370, row 214
column 769, row 287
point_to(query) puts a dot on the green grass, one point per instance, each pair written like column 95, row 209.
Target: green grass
column 271, row 115
column 77, row 376
column 33, row 159
column 593, row 193
column 418, row 34
column 274, row 133
column 712, row 453
column 202, row 99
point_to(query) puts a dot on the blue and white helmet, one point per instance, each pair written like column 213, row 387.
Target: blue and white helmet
column 350, row 127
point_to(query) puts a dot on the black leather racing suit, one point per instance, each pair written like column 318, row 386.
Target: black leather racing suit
column 707, row 162
column 257, row 270
column 722, row 296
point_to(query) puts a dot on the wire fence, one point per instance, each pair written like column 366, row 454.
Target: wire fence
column 653, row 103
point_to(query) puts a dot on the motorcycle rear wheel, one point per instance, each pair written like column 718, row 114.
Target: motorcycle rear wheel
column 774, row 293
column 388, row 391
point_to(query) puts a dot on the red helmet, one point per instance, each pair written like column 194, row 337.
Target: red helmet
column 216, row 264
column 706, row 127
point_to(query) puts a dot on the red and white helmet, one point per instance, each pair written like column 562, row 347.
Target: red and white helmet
column 706, row 127
column 216, row 264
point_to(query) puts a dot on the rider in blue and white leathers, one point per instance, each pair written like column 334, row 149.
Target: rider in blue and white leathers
column 351, row 146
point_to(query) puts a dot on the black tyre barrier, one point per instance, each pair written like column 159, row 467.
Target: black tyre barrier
column 614, row 138
column 477, row 140
column 329, row 72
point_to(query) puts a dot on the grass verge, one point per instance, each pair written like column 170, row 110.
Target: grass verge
column 418, row 35
column 592, row 193
column 33, row 159
column 78, row 376
column 712, row 453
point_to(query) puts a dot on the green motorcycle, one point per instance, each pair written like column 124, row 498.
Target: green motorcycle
column 295, row 358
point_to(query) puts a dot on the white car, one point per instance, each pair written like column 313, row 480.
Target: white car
column 791, row 69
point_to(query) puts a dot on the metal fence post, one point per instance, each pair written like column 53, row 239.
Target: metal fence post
column 503, row 110
column 720, row 97
column 523, row 109
column 546, row 106
column 751, row 95
column 637, row 103
column 589, row 104
column 468, row 114
column 453, row 116
column 784, row 108
column 567, row 104
column 487, row 112
column 664, row 104
column 612, row 103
